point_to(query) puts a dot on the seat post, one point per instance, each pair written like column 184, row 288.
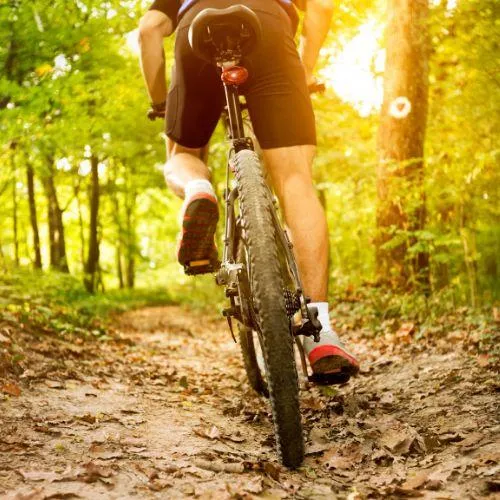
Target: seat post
column 234, row 111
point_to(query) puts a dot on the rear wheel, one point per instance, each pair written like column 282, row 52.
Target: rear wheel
column 266, row 284
column 253, row 358
column 254, row 363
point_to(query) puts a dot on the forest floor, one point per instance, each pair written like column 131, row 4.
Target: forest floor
column 161, row 409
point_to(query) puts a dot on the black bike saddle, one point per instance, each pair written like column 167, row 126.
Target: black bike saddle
column 224, row 33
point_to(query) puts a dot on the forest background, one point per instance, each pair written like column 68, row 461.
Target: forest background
column 87, row 224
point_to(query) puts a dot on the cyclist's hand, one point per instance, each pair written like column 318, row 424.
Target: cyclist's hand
column 316, row 87
column 157, row 111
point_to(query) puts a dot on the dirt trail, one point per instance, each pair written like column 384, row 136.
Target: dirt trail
column 163, row 410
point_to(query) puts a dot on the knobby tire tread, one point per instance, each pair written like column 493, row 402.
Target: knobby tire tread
column 246, row 336
column 267, row 290
column 250, row 361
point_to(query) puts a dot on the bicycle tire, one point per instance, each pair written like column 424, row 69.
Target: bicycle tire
column 254, row 375
column 266, row 284
column 246, row 335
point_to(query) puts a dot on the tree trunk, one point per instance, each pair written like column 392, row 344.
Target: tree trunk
column 81, row 232
column 113, row 192
column 30, row 178
column 14, row 220
column 57, row 240
column 400, row 173
column 92, row 264
column 131, row 243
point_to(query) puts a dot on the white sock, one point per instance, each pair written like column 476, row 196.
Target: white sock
column 323, row 315
column 328, row 336
column 198, row 186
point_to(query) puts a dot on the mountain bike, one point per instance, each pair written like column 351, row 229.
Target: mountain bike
column 258, row 268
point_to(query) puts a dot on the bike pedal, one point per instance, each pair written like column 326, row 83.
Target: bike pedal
column 333, row 378
column 205, row 266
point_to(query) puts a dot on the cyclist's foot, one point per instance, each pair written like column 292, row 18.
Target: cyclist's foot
column 197, row 251
column 330, row 361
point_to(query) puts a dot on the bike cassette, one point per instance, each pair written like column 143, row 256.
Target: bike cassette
column 204, row 266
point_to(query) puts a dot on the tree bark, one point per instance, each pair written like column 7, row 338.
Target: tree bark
column 401, row 199
column 15, row 221
column 113, row 192
column 81, row 231
column 57, row 240
column 92, row 264
column 131, row 240
column 30, row 178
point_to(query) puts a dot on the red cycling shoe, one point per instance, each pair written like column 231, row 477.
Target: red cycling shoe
column 331, row 362
column 196, row 250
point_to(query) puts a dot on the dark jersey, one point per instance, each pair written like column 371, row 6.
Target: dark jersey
column 175, row 9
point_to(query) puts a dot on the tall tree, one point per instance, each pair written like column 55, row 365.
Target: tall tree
column 401, row 200
column 92, row 264
column 57, row 241
column 30, row 180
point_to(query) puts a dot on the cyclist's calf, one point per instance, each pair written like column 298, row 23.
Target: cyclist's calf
column 184, row 165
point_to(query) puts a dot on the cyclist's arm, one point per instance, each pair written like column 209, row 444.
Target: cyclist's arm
column 153, row 27
column 316, row 25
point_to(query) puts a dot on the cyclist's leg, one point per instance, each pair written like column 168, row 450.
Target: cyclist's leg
column 290, row 170
column 303, row 214
column 194, row 104
column 188, row 176
column 281, row 111
column 184, row 165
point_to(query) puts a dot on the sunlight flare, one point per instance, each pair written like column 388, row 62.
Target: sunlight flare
column 354, row 72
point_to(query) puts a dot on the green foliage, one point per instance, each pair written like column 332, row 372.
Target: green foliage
column 70, row 88
column 58, row 302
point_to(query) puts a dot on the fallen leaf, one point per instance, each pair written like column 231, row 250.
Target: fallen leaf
column 11, row 389
column 27, row 494
column 235, row 438
column 210, row 433
column 254, row 486
column 39, row 475
column 313, row 403
column 405, row 331
column 316, row 449
column 416, row 480
column 387, row 398
column 470, row 440
column 54, row 384
column 183, row 382
column 318, row 436
column 271, row 469
column 398, row 439
column 218, row 466
column 94, row 471
column 483, row 360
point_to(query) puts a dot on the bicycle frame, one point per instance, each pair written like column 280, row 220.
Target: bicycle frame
column 232, row 274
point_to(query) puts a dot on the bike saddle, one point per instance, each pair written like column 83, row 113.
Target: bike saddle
column 223, row 35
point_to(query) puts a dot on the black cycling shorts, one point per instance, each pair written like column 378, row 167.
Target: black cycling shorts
column 276, row 92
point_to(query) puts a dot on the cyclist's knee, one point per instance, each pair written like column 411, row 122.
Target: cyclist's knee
column 290, row 158
column 174, row 149
column 290, row 165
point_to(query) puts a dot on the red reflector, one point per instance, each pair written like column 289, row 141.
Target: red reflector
column 236, row 75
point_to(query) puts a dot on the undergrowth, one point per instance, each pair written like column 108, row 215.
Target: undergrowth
column 58, row 303
column 378, row 311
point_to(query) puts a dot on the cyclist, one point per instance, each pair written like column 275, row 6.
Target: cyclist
column 281, row 112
